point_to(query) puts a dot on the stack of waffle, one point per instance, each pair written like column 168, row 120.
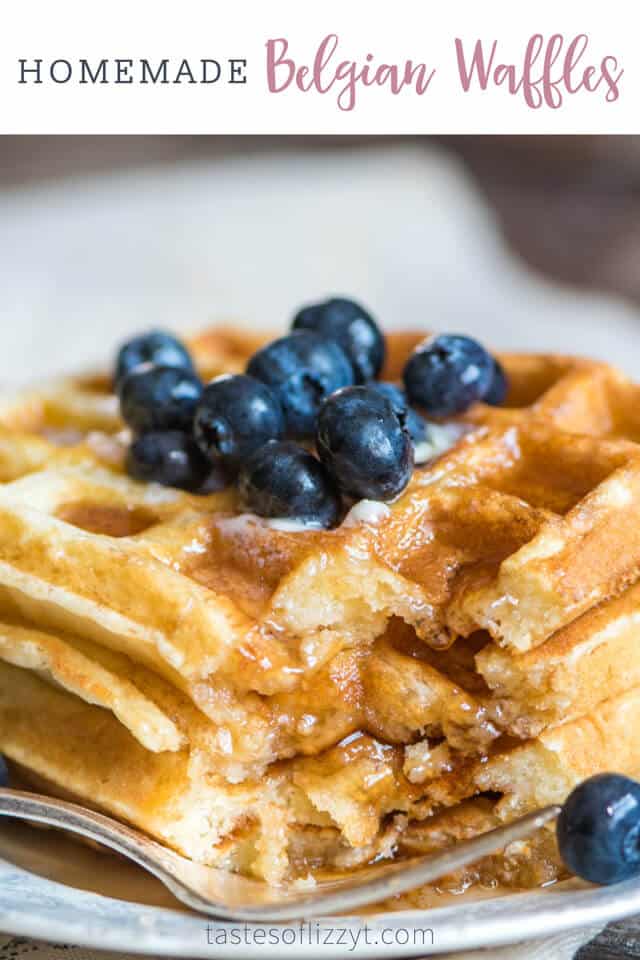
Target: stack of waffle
column 284, row 702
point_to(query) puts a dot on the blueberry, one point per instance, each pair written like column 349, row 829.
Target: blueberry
column 447, row 374
column 282, row 479
column 236, row 415
column 408, row 417
column 154, row 347
column 159, row 398
column 302, row 369
column 4, row 772
column 172, row 459
column 363, row 444
column 352, row 327
column 499, row 386
column 598, row 830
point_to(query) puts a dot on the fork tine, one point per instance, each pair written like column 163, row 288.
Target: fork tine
column 400, row 877
column 216, row 892
column 380, row 882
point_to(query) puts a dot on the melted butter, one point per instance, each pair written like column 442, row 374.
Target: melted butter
column 366, row 511
column 441, row 437
column 245, row 524
column 291, row 524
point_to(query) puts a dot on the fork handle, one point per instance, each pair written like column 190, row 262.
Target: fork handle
column 73, row 818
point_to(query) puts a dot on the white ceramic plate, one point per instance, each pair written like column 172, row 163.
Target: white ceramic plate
column 54, row 889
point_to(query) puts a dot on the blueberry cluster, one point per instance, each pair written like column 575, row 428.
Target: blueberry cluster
column 308, row 424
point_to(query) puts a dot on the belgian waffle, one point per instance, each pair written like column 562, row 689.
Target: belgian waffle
column 281, row 701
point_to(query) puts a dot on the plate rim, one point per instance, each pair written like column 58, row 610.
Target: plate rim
column 93, row 921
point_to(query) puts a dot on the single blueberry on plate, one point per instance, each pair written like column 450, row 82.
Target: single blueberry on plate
column 447, row 374
column 499, row 387
column 408, row 417
column 363, row 444
column 154, row 347
column 172, row 459
column 302, row 369
column 598, row 829
column 352, row 327
column 283, row 480
column 236, row 415
column 4, row 772
column 159, row 398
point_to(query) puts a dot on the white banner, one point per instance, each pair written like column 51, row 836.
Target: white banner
column 290, row 66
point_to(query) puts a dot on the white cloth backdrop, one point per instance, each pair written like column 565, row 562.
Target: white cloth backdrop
column 84, row 263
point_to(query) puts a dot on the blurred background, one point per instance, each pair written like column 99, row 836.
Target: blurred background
column 529, row 243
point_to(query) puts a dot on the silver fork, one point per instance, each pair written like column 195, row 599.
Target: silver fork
column 228, row 896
